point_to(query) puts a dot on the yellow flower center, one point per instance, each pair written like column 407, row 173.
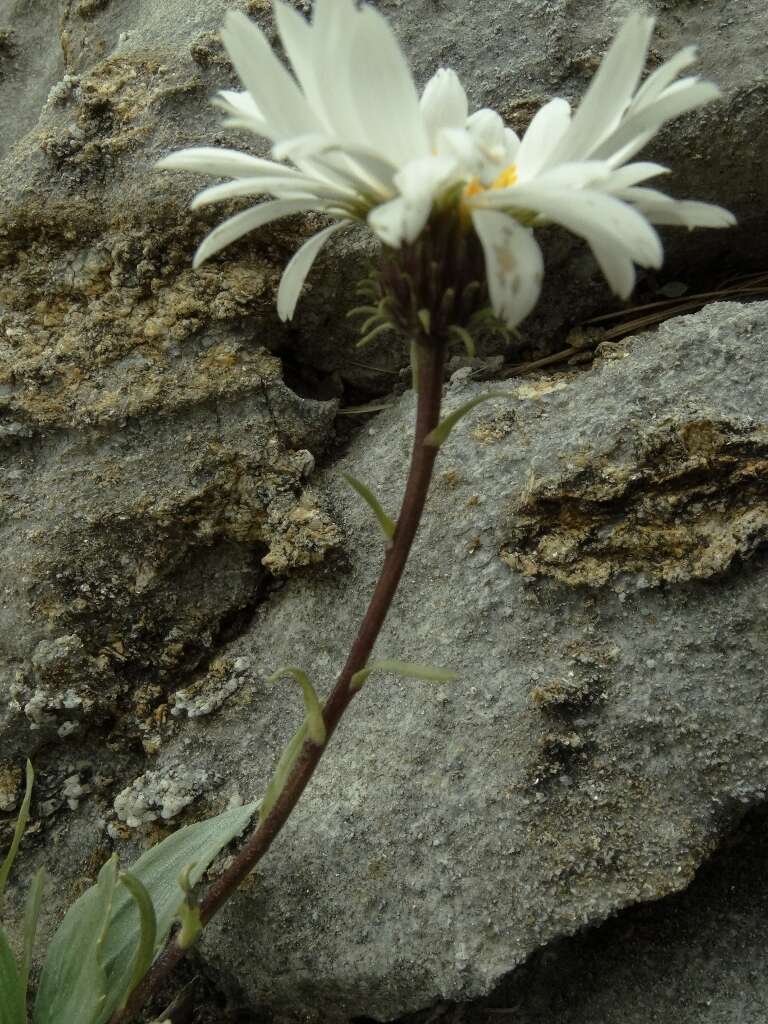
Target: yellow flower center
column 506, row 179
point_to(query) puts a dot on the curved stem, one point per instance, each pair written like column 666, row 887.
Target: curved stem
column 429, row 361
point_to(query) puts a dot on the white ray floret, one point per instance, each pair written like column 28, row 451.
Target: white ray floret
column 350, row 137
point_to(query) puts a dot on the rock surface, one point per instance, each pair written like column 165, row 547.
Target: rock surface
column 610, row 722
column 698, row 957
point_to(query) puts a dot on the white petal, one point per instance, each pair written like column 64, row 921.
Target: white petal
column 542, row 136
column 689, row 213
column 278, row 97
column 459, row 144
column 353, row 166
column 678, row 99
column 221, row 162
column 334, row 24
column 388, row 221
column 512, row 144
column 361, row 164
column 632, row 174
column 577, row 174
column 486, row 129
column 242, row 110
column 513, row 264
column 617, row 267
column 610, row 90
column 284, row 187
column 383, row 90
column 663, row 76
column 297, row 269
column 419, row 182
column 427, row 176
column 297, row 39
column 255, row 217
column 443, row 103
column 297, row 147
column 590, row 214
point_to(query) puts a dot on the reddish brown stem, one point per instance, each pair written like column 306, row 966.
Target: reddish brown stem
column 430, row 361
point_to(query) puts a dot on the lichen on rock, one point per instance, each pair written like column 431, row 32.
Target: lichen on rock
column 691, row 500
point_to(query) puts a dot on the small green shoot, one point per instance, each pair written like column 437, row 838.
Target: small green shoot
column 386, row 524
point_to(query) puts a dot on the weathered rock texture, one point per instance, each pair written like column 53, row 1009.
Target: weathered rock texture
column 610, row 722
column 698, row 957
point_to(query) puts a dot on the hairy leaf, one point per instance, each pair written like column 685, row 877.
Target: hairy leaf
column 315, row 722
column 406, row 669
column 436, row 437
column 12, row 1009
column 158, row 871
column 373, row 503
column 283, row 770
column 18, row 832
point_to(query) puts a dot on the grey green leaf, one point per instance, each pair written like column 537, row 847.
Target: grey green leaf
column 315, row 722
column 386, row 524
column 283, row 770
column 436, row 437
column 29, row 929
column 406, row 669
column 73, row 985
column 158, row 871
column 18, row 832
column 12, row 1008
column 145, row 949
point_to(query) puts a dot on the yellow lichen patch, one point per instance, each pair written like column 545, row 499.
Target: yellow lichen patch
column 103, row 328
column 10, row 786
column 299, row 538
column 491, row 429
column 538, row 388
column 695, row 499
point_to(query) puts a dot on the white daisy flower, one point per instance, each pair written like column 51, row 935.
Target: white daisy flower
column 352, row 139
column 573, row 170
column 347, row 122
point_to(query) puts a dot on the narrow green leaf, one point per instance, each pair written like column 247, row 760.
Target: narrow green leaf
column 371, row 335
column 145, row 950
column 12, row 1002
column 73, row 985
column 29, row 929
column 158, row 871
column 189, row 912
column 18, row 832
column 373, row 503
column 283, row 770
column 441, row 432
column 362, row 311
column 465, row 338
column 373, row 321
column 406, row 669
column 315, row 721
column 425, row 320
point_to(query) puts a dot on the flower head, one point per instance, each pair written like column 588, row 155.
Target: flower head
column 352, row 138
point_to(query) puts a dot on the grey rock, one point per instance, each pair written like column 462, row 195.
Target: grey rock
column 609, row 726
column 698, row 957
column 131, row 546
